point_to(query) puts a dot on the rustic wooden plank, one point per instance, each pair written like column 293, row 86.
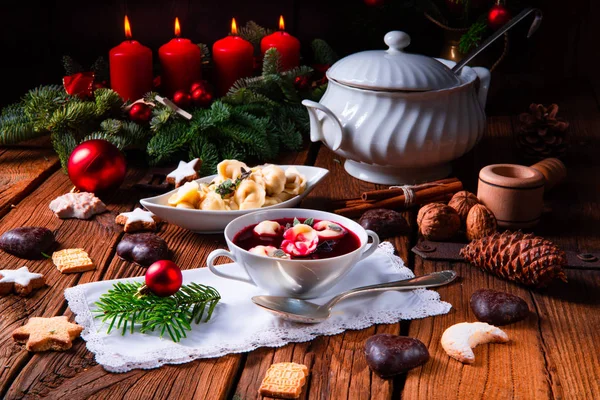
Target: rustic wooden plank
column 72, row 376
column 49, row 301
column 568, row 313
column 516, row 370
column 339, row 369
column 22, row 169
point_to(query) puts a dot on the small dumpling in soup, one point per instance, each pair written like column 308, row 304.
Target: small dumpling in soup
column 231, row 169
column 295, row 183
column 249, row 195
column 274, row 178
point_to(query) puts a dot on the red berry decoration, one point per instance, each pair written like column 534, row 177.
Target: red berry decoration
column 96, row 166
column 498, row 16
column 140, row 112
column 181, row 98
column 197, row 85
column 201, row 94
column 301, row 82
column 163, row 278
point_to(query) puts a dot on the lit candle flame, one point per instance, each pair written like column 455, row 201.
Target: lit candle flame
column 177, row 27
column 234, row 30
column 281, row 23
column 127, row 28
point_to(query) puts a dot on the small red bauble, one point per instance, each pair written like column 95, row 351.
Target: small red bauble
column 96, row 166
column 197, row 85
column 498, row 16
column 140, row 112
column 181, row 98
column 301, row 82
column 164, row 278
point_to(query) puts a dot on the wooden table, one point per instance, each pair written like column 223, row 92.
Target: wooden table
column 553, row 354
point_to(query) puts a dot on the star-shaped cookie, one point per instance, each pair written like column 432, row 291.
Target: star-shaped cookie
column 19, row 281
column 185, row 172
column 137, row 220
column 41, row 334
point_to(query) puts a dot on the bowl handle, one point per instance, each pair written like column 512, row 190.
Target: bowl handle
column 316, row 125
column 372, row 246
column 210, row 261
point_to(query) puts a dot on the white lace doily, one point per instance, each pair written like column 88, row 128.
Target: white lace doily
column 238, row 325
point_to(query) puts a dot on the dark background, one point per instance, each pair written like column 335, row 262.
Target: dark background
column 36, row 34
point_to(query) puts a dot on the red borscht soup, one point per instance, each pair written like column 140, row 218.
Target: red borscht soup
column 292, row 238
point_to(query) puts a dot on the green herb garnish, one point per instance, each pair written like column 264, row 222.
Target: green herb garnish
column 228, row 187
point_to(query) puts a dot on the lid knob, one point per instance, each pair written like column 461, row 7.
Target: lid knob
column 396, row 40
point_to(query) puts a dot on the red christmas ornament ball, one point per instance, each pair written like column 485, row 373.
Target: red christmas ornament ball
column 182, row 98
column 164, row 278
column 201, row 94
column 301, row 82
column 96, row 166
column 498, row 16
column 140, row 112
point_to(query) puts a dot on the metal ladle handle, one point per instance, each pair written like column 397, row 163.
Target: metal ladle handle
column 424, row 281
column 534, row 26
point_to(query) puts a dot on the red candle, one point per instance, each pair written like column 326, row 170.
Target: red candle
column 181, row 62
column 233, row 58
column 130, row 68
column 287, row 46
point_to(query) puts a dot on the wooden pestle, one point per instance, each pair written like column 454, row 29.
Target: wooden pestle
column 554, row 171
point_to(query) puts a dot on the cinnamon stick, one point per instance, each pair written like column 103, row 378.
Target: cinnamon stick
column 382, row 194
column 423, row 196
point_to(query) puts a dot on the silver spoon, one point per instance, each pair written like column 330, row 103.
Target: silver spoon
column 298, row 310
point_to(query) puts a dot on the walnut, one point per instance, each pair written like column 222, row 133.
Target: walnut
column 438, row 222
column 462, row 202
column 480, row 222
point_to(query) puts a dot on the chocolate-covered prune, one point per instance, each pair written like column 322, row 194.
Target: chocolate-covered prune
column 28, row 242
column 143, row 249
column 498, row 308
column 384, row 222
column 389, row 355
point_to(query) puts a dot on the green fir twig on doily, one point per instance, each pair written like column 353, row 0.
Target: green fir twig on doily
column 123, row 308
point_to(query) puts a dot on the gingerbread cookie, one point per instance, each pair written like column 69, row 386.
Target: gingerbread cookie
column 82, row 205
column 185, row 172
column 137, row 220
column 284, row 380
column 20, row 281
column 143, row 249
column 41, row 334
column 72, row 260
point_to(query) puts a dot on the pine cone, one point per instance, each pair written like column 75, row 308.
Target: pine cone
column 523, row 258
column 541, row 133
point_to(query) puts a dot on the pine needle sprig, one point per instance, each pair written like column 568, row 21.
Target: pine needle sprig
column 123, row 308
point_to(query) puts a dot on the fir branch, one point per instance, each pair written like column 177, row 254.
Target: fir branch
column 271, row 62
column 100, row 69
column 123, row 308
column 205, row 54
column 107, row 102
column 71, row 66
column 253, row 33
column 323, row 53
column 15, row 126
column 472, row 37
column 202, row 148
column 63, row 143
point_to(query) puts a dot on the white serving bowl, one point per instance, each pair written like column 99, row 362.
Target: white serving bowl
column 297, row 278
column 202, row 221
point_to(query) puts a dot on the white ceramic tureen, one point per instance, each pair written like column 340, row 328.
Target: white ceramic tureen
column 399, row 117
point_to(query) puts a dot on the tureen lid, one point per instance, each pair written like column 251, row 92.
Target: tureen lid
column 393, row 69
